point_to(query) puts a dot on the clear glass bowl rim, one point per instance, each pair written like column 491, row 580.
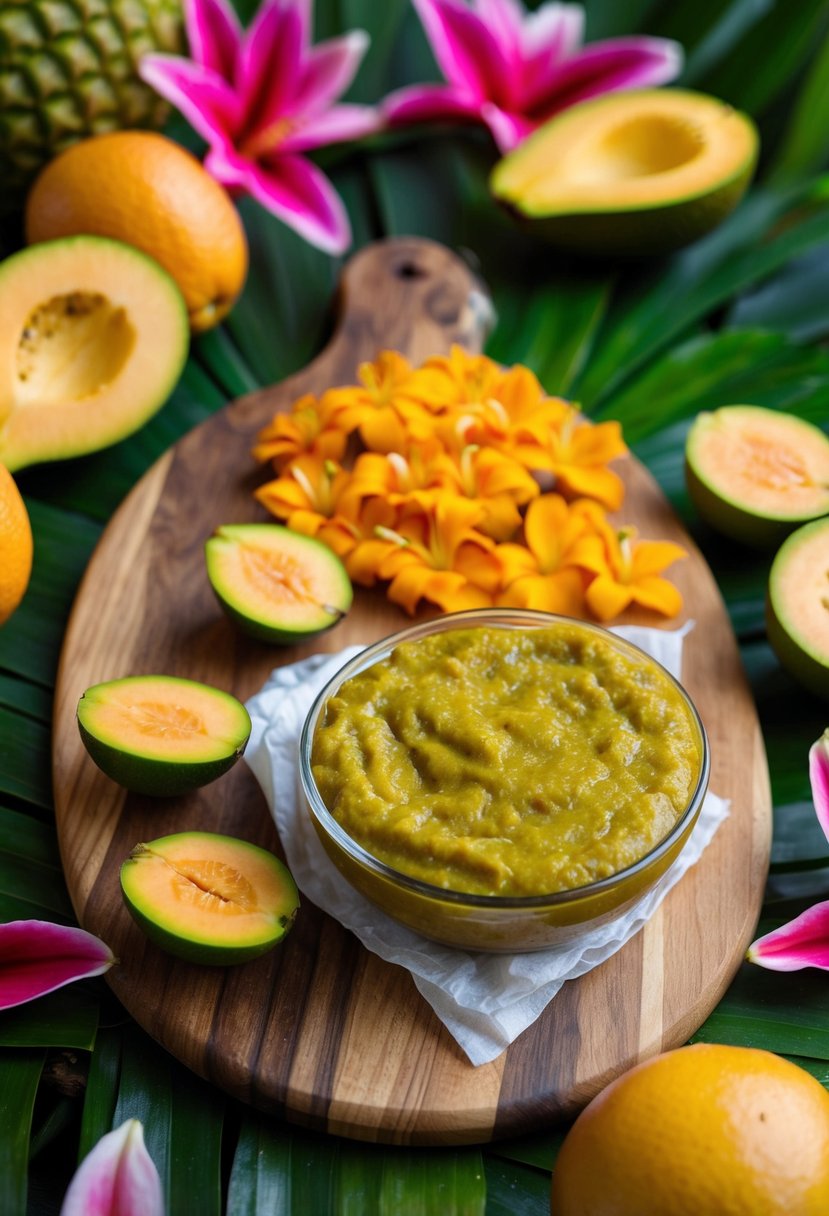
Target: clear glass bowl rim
column 501, row 617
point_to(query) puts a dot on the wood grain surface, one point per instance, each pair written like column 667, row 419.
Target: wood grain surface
column 321, row 1031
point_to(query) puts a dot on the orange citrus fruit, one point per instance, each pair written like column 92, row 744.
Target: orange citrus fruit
column 707, row 1130
column 146, row 190
column 15, row 545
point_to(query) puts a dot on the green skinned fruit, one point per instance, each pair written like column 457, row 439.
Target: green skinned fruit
column 797, row 606
column 209, row 898
column 162, row 735
column 68, row 70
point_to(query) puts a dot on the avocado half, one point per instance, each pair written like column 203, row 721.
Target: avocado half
column 633, row 173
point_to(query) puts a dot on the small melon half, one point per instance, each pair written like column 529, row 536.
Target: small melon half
column 636, row 172
column 209, row 898
column 797, row 606
column 754, row 474
column 93, row 337
column 162, row 735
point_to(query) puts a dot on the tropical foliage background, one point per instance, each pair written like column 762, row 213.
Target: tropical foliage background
column 740, row 317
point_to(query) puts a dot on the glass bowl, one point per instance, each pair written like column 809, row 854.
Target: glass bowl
column 493, row 922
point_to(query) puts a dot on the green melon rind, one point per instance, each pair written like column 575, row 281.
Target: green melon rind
column 177, row 326
column 155, row 775
column 274, row 630
column 639, row 229
column 200, row 950
column 800, row 658
column 759, row 530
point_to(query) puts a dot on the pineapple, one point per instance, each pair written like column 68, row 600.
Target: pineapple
column 68, row 70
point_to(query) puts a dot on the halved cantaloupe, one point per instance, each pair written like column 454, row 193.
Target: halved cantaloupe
column 636, row 172
column 162, row 735
column 754, row 474
column 278, row 585
column 93, row 337
column 797, row 606
column 209, row 898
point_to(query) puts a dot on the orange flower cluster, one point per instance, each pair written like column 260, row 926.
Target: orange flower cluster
column 444, row 501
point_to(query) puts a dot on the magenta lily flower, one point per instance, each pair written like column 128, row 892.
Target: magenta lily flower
column 118, row 1178
column 804, row 941
column 512, row 70
column 264, row 97
column 37, row 956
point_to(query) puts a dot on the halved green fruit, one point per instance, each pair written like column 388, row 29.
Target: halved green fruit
column 93, row 337
column 636, row 172
column 754, row 474
column 209, row 898
column 797, row 606
column 278, row 585
column 160, row 734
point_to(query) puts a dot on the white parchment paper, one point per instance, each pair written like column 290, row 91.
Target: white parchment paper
column 485, row 1000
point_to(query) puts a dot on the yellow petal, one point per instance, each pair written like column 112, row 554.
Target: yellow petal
column 606, row 598
column 654, row 556
column 658, row 594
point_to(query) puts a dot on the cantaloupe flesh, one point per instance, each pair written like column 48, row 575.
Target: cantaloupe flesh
column 806, row 592
column 627, row 151
column 777, row 467
column 208, row 890
column 274, row 580
column 165, row 720
column 93, row 336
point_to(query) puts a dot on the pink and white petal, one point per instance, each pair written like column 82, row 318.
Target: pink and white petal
column 37, row 956
column 203, row 97
column 819, row 777
column 466, row 50
column 270, row 65
column 505, row 19
column 336, row 125
column 429, row 103
column 327, row 71
column 117, row 1178
column 214, row 35
column 803, row 942
column 507, row 129
column 300, row 194
column 605, row 67
column 552, row 35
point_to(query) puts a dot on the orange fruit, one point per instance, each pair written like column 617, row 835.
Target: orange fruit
column 146, row 190
column 15, row 545
column 707, row 1130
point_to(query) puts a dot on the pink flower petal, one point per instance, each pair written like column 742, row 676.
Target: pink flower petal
column 803, row 942
column 505, row 20
column 429, row 103
column 214, row 36
column 604, row 67
column 328, row 70
column 270, row 66
column 552, row 35
column 819, row 777
column 332, row 127
column 117, row 1178
column 206, row 101
column 507, row 129
column 293, row 189
column 466, row 50
column 37, row 956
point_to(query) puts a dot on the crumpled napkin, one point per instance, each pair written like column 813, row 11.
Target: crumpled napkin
column 484, row 1000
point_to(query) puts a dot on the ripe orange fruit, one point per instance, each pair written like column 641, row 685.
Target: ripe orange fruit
column 15, row 545
column 146, row 190
column 706, row 1130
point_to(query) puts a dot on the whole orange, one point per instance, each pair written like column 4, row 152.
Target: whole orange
column 146, row 190
column 707, row 1130
column 15, row 545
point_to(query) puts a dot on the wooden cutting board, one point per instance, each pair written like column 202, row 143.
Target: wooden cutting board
column 321, row 1031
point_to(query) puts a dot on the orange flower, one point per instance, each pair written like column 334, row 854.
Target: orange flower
column 385, row 407
column 306, row 495
column 499, row 483
column 548, row 573
column 437, row 554
column 579, row 454
column 629, row 574
column 308, row 428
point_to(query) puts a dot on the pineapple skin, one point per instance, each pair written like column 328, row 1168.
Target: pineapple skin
column 68, row 70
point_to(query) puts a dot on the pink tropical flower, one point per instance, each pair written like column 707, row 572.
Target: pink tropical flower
column 262, row 98
column 512, row 69
column 118, row 1178
column 804, row 941
column 37, row 956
